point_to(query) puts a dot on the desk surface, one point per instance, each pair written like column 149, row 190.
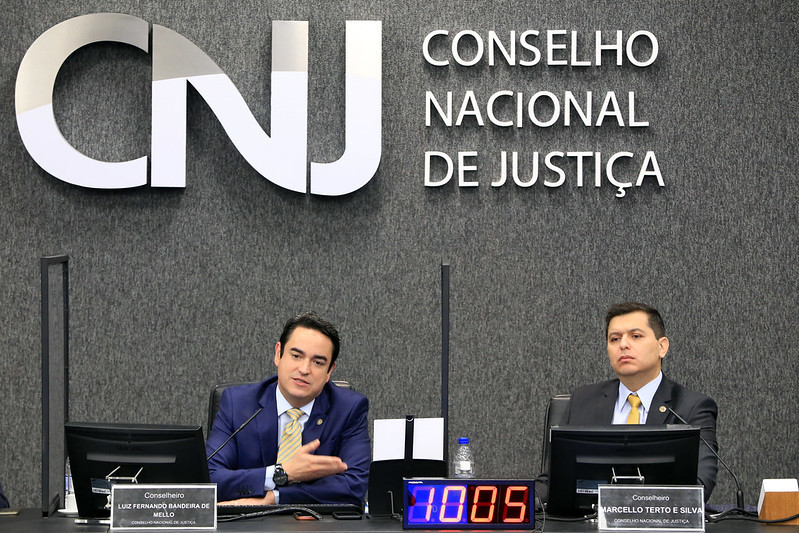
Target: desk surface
column 30, row 521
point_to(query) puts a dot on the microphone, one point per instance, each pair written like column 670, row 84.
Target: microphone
column 234, row 433
column 739, row 494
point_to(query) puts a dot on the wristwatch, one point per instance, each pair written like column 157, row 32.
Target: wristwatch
column 280, row 478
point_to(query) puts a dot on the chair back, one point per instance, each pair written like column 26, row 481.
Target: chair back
column 214, row 399
column 556, row 416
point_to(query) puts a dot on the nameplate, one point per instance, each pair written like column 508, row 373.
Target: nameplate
column 163, row 506
column 653, row 508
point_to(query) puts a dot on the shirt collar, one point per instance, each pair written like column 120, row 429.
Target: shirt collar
column 283, row 404
column 646, row 393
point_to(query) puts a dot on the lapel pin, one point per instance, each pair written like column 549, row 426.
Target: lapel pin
column 662, row 408
column 319, row 422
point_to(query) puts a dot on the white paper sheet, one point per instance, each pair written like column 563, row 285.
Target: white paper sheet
column 389, row 439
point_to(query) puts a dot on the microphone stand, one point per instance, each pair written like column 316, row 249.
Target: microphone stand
column 234, row 433
column 739, row 493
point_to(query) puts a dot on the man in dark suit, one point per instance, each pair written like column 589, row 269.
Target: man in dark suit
column 310, row 441
column 636, row 344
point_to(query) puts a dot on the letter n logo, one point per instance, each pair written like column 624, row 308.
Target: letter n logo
column 280, row 157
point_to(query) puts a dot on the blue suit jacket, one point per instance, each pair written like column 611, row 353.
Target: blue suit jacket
column 338, row 420
column 593, row 405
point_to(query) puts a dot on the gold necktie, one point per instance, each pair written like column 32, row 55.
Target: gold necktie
column 291, row 440
column 635, row 402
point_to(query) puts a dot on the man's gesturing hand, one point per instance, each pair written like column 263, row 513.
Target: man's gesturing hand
column 305, row 466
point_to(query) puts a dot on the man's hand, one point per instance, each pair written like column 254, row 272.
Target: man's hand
column 268, row 499
column 305, row 466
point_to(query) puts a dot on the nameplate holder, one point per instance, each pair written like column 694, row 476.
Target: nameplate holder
column 779, row 505
column 161, row 506
column 651, row 508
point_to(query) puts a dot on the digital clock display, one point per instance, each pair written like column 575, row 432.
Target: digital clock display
column 467, row 504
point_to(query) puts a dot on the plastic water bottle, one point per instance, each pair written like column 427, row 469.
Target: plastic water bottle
column 463, row 464
column 70, row 504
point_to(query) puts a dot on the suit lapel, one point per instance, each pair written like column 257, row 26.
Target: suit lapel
column 662, row 397
column 318, row 417
column 607, row 403
column 267, row 425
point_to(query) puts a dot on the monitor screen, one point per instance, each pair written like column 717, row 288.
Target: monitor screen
column 121, row 452
column 585, row 457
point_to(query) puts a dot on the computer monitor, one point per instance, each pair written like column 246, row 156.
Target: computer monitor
column 583, row 457
column 150, row 453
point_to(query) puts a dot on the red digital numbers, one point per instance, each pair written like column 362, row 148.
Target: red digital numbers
column 484, row 504
column 447, row 504
column 424, row 505
column 491, row 505
column 515, row 505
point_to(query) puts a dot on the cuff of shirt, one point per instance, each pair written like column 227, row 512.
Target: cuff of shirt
column 269, row 483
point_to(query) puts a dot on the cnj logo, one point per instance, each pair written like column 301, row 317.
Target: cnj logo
column 281, row 158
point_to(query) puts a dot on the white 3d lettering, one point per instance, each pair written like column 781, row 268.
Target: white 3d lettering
column 281, row 158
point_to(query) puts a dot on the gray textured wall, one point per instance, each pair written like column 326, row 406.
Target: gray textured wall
column 175, row 290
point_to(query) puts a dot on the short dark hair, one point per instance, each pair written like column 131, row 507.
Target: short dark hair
column 655, row 320
column 311, row 320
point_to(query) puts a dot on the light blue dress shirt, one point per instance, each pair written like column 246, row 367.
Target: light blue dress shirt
column 283, row 420
column 646, row 393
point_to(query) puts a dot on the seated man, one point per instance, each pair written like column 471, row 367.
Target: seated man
column 637, row 344
column 309, row 443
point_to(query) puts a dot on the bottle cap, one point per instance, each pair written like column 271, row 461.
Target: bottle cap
column 463, row 440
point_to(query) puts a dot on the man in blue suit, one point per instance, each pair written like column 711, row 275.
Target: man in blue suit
column 330, row 464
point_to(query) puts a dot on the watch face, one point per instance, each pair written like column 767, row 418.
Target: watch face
column 280, row 477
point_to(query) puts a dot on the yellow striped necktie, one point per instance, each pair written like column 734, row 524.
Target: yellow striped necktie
column 291, row 440
column 635, row 402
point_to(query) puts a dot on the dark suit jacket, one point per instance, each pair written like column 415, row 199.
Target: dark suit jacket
column 338, row 420
column 593, row 405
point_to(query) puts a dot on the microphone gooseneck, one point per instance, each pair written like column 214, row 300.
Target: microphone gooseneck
column 739, row 494
column 234, row 433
